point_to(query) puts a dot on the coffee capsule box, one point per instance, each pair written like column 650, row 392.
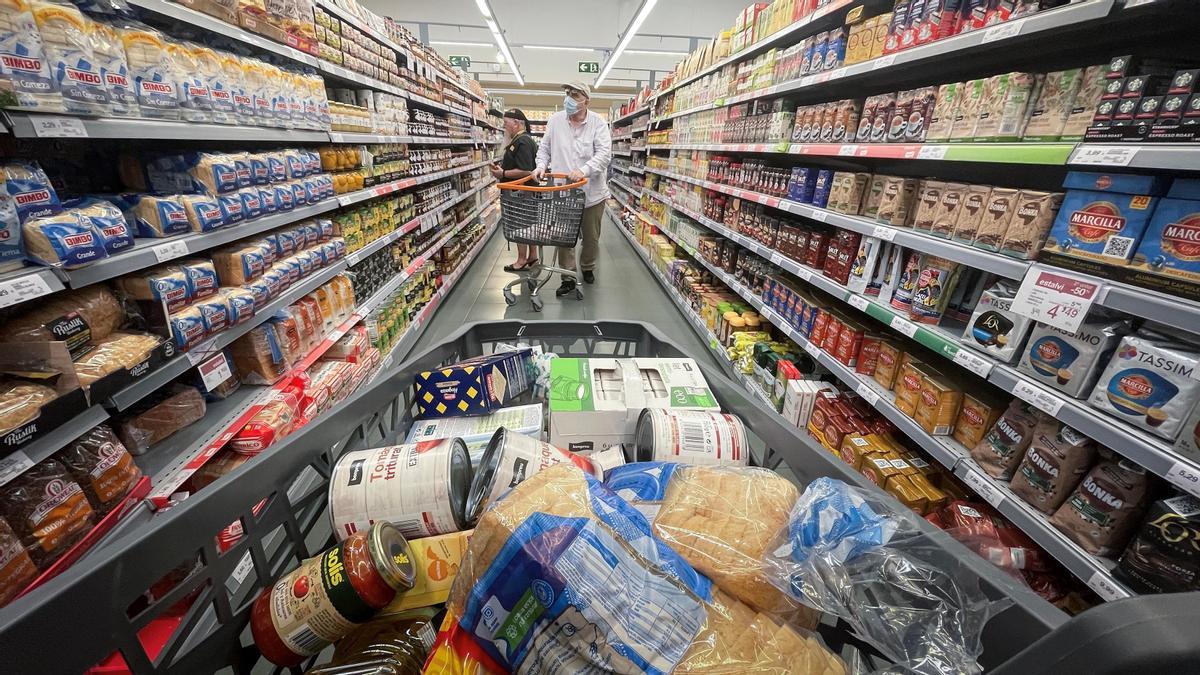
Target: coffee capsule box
column 1150, row 382
column 1071, row 362
column 1171, row 244
column 994, row 328
column 1104, row 216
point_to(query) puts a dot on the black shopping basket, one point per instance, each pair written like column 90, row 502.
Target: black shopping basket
column 100, row 604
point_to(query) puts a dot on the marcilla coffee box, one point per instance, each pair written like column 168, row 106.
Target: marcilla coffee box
column 1171, row 244
column 1103, row 216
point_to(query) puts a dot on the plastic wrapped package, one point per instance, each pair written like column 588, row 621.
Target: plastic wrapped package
column 222, row 108
column 220, row 390
column 156, row 420
column 195, row 105
column 720, row 520
column 107, row 222
column 114, row 69
column 850, row 554
column 20, row 402
column 62, row 240
column 98, row 307
column 269, row 425
column 564, row 550
column 67, row 41
column 47, row 510
column 102, row 466
column 152, row 71
column 16, row 567
column 259, row 355
column 28, row 186
column 233, row 75
column 119, row 351
column 28, row 79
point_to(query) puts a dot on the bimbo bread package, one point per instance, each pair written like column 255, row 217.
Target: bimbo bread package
column 23, row 67
column 1151, row 382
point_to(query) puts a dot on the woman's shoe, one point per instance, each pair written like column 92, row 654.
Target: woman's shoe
column 515, row 268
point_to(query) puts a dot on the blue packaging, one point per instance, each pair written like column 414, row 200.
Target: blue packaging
column 277, row 167
column 1171, row 244
column 1116, row 182
column 214, row 313
column 340, row 245
column 107, row 221
column 1185, row 188
column 187, row 328
column 312, row 234
column 30, row 189
column 326, row 227
column 312, row 190
column 74, row 242
column 288, row 242
column 283, row 197
column 241, row 168
column 201, row 278
column 804, row 181
column 277, row 279
column 266, row 198
column 820, row 46
column 835, row 50
column 330, row 250
column 262, row 290
column 296, row 166
column 476, row 386
column 1103, row 226
column 240, row 303
column 204, row 212
column 820, row 196
column 167, row 211
column 260, row 171
column 231, row 208
column 251, row 203
column 299, row 195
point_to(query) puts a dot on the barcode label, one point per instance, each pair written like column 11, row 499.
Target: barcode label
column 692, row 437
column 306, row 641
column 411, row 528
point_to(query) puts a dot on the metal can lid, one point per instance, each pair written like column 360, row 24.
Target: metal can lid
column 392, row 555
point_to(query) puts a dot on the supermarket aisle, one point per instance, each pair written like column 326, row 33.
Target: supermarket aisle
column 624, row 290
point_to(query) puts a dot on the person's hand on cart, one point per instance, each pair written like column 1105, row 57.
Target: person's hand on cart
column 497, row 172
column 575, row 176
column 537, row 174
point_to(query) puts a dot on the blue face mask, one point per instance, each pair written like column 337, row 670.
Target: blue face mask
column 570, row 105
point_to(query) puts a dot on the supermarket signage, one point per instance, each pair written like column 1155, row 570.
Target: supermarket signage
column 461, row 62
column 1055, row 298
column 589, row 67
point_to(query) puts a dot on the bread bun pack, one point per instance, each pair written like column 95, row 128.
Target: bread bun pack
column 70, row 53
column 62, row 240
column 152, row 71
column 27, row 76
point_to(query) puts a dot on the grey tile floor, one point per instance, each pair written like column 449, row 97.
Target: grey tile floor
column 624, row 291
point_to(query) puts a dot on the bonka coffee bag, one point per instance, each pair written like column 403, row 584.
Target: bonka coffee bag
column 1005, row 443
column 1053, row 465
column 1105, row 507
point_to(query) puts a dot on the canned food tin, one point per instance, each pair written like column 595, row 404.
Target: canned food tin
column 421, row 488
column 509, row 459
column 691, row 437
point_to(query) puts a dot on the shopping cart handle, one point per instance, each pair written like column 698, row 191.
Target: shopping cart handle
column 519, row 184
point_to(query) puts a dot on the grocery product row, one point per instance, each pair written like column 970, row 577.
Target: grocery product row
column 964, row 429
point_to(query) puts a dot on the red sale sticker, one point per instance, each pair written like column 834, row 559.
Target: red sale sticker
column 1055, row 298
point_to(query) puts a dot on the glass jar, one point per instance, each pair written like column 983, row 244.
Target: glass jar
column 324, row 598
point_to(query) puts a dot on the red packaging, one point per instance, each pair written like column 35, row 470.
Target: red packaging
column 896, row 27
column 849, row 342
column 835, row 431
column 832, row 329
column 273, row 423
column 817, row 336
column 829, row 269
column 800, row 245
column 941, row 20
column 818, row 245
column 868, row 354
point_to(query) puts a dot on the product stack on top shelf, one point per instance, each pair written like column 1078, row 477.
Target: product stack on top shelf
column 220, row 223
column 985, row 256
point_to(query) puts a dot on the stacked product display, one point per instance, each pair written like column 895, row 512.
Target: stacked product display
column 912, row 291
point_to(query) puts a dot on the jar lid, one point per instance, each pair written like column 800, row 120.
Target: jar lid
column 392, row 555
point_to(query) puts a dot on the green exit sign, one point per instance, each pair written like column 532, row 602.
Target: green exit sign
column 589, row 66
column 462, row 62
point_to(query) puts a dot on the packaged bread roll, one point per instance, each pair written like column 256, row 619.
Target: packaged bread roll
column 66, row 39
column 107, row 221
column 222, row 108
column 195, row 105
column 259, row 357
column 159, row 216
column 102, row 466
column 114, row 69
column 187, row 328
column 155, row 421
column 21, row 402
column 62, row 240
column 29, row 188
column 119, row 351
column 239, row 264
column 96, row 305
column 152, row 71
column 239, row 304
column 27, row 76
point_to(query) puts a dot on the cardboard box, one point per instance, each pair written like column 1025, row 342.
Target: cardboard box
column 436, row 561
column 1104, row 221
column 595, row 403
column 476, row 430
column 473, row 387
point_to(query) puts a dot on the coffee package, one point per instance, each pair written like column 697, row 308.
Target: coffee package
column 1104, row 508
column 1004, row 445
column 1188, row 444
column 1055, row 462
column 1150, row 382
column 1164, row 556
column 1035, row 212
column 1071, row 362
column 1103, row 216
column 974, row 200
column 978, row 413
column 994, row 327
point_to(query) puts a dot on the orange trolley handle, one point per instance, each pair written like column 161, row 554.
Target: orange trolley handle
column 519, row 184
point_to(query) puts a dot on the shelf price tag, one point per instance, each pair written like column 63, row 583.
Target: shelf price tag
column 984, row 487
column 1038, row 398
column 13, row 465
column 345, row 200
column 776, row 259
column 973, row 362
column 1103, row 155
column 884, row 233
column 1004, row 31
column 847, row 150
column 1055, row 298
column 812, row 350
column 903, row 325
column 170, row 250
column 58, row 127
column 243, row 568
column 200, row 351
column 804, row 273
column 932, row 152
column 883, row 62
column 21, row 289
column 1105, row 587
column 214, row 371
column 867, row 393
column 818, row 216
column 858, row 302
column 1185, row 478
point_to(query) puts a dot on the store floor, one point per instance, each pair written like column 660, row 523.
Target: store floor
column 624, row 290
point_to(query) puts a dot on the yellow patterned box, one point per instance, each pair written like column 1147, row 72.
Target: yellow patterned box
column 436, row 561
column 476, row 386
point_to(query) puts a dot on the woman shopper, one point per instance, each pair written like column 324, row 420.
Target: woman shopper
column 520, row 155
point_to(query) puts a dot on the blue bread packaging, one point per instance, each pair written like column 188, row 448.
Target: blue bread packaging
column 477, row 386
column 1103, row 217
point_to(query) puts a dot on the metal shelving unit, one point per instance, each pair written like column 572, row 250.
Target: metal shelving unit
column 27, row 283
column 1051, row 154
column 53, row 441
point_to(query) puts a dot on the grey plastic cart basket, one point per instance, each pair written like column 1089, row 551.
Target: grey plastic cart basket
column 97, row 606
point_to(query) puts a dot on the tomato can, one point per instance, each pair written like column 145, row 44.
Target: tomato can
column 509, row 459
column 691, row 437
column 323, row 599
column 421, row 488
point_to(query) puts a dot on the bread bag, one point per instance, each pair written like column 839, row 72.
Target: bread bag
column 67, row 44
column 102, row 466
column 156, row 420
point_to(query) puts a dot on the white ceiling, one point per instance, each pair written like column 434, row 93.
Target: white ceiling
column 597, row 23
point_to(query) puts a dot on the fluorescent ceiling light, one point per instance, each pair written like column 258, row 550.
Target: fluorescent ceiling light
column 630, row 32
column 559, row 49
column 655, row 52
column 494, row 26
column 483, row 8
column 452, row 43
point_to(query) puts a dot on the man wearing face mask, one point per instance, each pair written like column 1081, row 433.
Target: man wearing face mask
column 578, row 143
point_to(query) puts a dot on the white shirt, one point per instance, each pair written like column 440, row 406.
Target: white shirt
column 586, row 147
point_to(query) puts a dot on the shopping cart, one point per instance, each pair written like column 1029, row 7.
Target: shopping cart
column 541, row 216
column 209, row 606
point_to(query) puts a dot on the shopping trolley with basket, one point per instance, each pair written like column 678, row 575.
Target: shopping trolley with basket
column 541, row 216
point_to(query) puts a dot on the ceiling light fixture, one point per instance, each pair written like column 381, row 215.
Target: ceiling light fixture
column 453, row 43
column 655, row 52
column 498, row 36
column 553, row 48
column 630, row 32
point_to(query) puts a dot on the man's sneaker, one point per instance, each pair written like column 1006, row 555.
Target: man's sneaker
column 567, row 287
column 589, row 277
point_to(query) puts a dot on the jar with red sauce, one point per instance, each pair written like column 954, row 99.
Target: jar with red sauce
column 323, row 599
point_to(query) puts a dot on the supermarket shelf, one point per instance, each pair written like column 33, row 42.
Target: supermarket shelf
column 622, row 153
column 640, row 148
column 626, row 187
column 27, row 125
column 135, row 392
column 394, row 186
column 1178, row 157
column 800, row 29
column 57, row 438
column 363, row 26
column 630, row 116
column 27, row 283
column 1135, row 301
column 622, row 137
column 191, row 17
column 623, row 202
column 149, row 252
column 944, row 450
column 1052, row 154
column 355, row 137
column 1058, row 18
column 996, row 263
column 420, row 221
column 637, row 168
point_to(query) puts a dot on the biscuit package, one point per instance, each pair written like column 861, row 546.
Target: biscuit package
column 1071, row 362
column 1150, row 382
column 994, row 328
